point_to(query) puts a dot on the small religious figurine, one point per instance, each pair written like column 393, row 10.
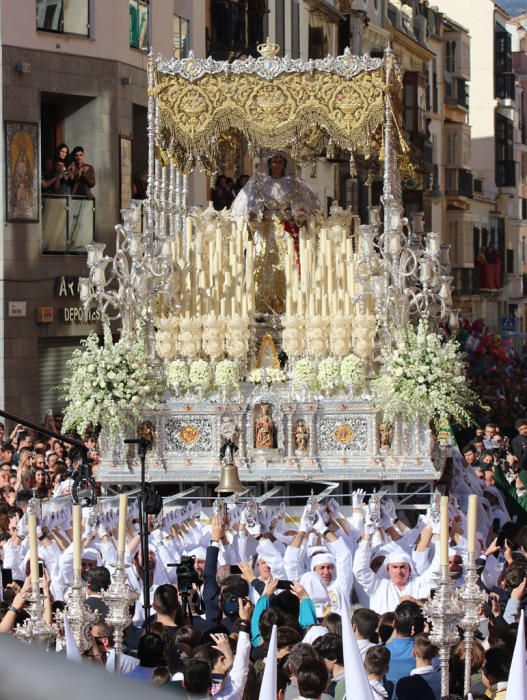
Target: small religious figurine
column 301, row 435
column 264, row 429
column 385, row 434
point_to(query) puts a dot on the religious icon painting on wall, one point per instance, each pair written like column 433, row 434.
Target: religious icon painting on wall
column 22, row 171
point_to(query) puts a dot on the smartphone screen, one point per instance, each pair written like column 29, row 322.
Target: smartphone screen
column 40, row 569
column 7, row 577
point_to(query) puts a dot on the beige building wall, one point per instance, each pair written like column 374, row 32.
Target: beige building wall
column 480, row 23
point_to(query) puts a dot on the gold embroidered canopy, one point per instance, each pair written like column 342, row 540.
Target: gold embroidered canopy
column 307, row 108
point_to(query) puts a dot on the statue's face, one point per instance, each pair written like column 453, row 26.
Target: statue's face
column 277, row 166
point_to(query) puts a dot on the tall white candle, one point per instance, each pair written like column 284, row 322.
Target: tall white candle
column 77, row 537
column 33, row 546
column 472, row 518
column 121, row 535
column 445, row 531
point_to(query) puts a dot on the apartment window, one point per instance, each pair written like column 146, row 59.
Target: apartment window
column 505, row 165
column 295, row 30
column 320, row 35
column 280, row 24
column 235, row 28
column 451, row 56
column 414, row 103
column 502, row 51
column 181, row 34
column 139, row 19
column 63, row 16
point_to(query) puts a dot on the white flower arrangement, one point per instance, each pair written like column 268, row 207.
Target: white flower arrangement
column 110, row 384
column 424, row 375
column 268, row 375
column 305, row 375
column 352, row 370
column 200, row 374
column 226, row 375
column 329, row 378
column 177, row 373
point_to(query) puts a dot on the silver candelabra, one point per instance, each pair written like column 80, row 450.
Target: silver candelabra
column 119, row 597
column 125, row 286
column 444, row 612
column 471, row 598
column 80, row 618
column 35, row 628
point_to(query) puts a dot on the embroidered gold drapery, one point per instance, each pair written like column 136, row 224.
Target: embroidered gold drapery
column 306, row 112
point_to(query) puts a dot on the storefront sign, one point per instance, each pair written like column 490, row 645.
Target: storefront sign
column 78, row 314
column 45, row 314
column 67, row 286
column 17, row 309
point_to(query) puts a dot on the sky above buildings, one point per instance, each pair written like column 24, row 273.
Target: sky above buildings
column 514, row 7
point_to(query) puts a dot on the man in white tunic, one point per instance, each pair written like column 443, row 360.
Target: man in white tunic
column 386, row 593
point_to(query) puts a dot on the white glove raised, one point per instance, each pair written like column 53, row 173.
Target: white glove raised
column 369, row 528
column 357, row 498
column 304, row 521
column 320, row 526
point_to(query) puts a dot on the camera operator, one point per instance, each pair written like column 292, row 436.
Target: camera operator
column 519, row 443
column 512, row 481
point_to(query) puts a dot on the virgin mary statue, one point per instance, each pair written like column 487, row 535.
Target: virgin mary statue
column 276, row 205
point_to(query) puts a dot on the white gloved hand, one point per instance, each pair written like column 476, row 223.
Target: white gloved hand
column 320, row 526
column 254, row 530
column 266, row 518
column 157, row 536
column 369, row 528
column 102, row 531
column 389, row 507
column 234, row 514
column 357, row 498
column 304, row 522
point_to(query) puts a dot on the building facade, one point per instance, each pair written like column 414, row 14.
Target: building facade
column 75, row 72
column 491, row 285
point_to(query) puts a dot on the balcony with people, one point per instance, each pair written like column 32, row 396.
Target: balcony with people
column 68, row 203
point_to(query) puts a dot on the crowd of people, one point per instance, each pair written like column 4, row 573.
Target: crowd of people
column 250, row 579
column 68, row 174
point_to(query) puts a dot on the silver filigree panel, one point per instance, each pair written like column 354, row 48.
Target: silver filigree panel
column 192, row 68
column 192, row 435
column 342, row 434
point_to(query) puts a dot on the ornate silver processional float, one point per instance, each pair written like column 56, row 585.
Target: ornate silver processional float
column 268, row 320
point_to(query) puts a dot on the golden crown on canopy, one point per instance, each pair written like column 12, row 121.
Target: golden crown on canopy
column 268, row 50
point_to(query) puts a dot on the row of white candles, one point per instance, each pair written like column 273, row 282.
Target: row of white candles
column 77, row 539
column 217, row 277
column 323, row 284
column 472, row 519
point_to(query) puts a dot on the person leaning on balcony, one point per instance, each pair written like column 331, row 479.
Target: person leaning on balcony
column 82, row 175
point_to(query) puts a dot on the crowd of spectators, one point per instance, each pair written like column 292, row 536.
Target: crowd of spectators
column 250, row 578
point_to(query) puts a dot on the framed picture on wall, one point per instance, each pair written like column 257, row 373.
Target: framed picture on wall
column 22, row 171
column 125, row 171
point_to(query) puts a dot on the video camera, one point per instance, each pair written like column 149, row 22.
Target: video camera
column 186, row 575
